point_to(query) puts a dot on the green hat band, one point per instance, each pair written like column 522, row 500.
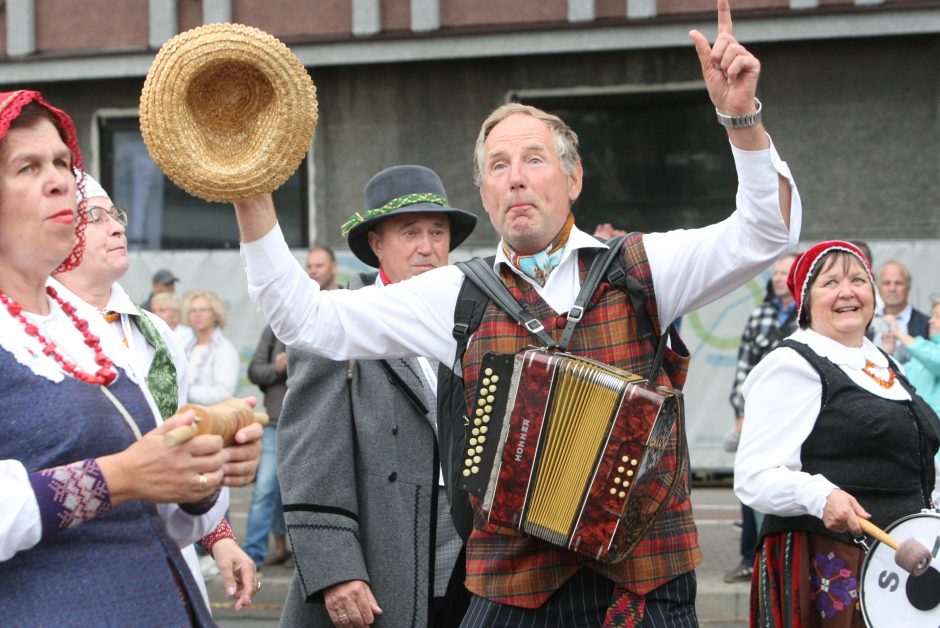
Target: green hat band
column 392, row 205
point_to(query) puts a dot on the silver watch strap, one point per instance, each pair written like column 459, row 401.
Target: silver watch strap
column 741, row 122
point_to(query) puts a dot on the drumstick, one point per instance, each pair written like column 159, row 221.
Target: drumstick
column 909, row 555
column 223, row 418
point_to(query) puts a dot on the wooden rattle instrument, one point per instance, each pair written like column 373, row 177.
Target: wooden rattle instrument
column 909, row 555
column 223, row 418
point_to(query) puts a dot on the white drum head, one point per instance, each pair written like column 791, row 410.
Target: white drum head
column 892, row 597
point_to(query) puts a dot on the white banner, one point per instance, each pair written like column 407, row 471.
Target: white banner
column 711, row 333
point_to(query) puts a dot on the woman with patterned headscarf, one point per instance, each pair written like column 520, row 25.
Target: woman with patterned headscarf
column 82, row 463
column 833, row 434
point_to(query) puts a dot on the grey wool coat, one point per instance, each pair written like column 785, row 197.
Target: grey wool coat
column 359, row 475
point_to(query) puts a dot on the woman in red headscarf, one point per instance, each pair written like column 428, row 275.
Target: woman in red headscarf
column 82, row 463
column 832, row 432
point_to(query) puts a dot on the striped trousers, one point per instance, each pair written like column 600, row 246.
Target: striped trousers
column 583, row 603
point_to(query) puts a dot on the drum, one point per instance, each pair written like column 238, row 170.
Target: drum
column 889, row 595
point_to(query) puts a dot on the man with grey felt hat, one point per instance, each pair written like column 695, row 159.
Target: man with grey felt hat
column 397, row 199
column 361, row 483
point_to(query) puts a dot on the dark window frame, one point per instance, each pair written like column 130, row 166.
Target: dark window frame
column 295, row 221
column 686, row 181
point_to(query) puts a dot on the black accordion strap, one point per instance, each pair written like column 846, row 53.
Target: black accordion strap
column 593, row 279
column 481, row 274
column 599, row 268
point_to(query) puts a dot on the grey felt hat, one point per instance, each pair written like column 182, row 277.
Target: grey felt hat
column 403, row 190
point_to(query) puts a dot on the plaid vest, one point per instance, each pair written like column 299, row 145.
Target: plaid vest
column 513, row 568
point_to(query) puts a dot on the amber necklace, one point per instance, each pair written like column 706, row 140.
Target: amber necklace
column 103, row 376
column 884, row 383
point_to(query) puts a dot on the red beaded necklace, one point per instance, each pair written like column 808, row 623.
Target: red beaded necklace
column 104, row 376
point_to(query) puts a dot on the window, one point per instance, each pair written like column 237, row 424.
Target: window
column 163, row 216
column 653, row 160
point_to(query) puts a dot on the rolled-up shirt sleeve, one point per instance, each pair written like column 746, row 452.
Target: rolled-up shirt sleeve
column 782, row 397
column 693, row 267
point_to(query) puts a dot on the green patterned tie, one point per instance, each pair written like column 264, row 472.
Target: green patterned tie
column 161, row 378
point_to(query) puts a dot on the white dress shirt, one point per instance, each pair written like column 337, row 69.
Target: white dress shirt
column 690, row 268
column 782, row 398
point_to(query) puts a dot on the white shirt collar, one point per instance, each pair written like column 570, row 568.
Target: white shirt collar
column 903, row 317
column 840, row 354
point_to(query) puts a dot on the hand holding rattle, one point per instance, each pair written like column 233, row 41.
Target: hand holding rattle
column 223, row 418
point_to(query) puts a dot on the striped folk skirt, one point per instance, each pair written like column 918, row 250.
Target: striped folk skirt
column 804, row 580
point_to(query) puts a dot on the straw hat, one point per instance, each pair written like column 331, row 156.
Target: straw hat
column 227, row 112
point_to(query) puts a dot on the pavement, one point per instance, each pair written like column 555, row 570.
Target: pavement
column 719, row 604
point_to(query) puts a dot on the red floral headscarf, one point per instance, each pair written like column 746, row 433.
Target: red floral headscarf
column 11, row 105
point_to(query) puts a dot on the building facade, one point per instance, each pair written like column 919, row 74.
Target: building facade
column 851, row 94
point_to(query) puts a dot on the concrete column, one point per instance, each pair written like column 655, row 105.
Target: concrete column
column 641, row 9
column 366, row 17
column 21, row 27
column 215, row 11
column 581, row 10
column 425, row 15
column 163, row 21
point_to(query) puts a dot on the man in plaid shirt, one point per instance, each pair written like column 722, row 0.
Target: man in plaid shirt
column 528, row 171
column 769, row 323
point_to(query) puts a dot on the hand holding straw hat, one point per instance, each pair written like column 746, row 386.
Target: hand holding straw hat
column 227, row 112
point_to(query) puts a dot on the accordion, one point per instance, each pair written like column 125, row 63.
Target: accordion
column 569, row 450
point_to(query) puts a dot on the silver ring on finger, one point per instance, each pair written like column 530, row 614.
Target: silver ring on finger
column 203, row 480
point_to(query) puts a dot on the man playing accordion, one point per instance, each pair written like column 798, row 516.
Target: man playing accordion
column 528, row 171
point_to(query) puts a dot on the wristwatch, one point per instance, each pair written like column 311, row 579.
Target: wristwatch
column 740, row 122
